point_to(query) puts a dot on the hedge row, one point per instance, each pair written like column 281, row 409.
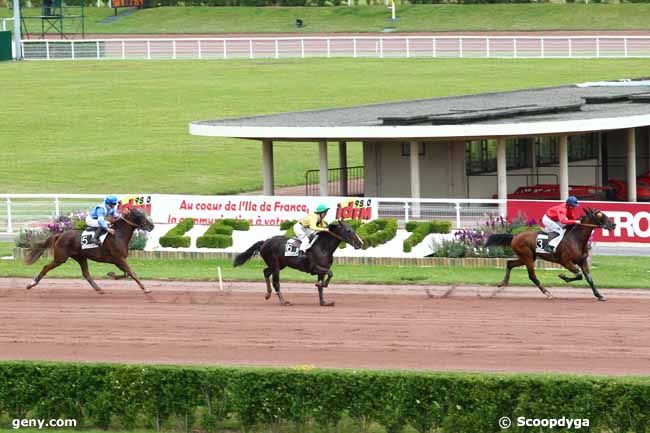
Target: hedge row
column 174, row 238
column 130, row 396
column 420, row 230
column 219, row 234
column 378, row 231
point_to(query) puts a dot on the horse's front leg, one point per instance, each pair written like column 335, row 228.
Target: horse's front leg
column 124, row 266
column 324, row 277
column 585, row 270
column 574, row 270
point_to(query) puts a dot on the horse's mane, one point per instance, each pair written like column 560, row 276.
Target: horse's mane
column 589, row 212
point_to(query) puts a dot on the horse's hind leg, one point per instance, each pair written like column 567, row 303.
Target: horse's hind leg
column 83, row 263
column 585, row 270
column 57, row 261
column 530, row 265
column 276, row 286
column 511, row 264
column 267, row 277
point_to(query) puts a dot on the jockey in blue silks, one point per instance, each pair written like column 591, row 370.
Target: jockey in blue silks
column 97, row 217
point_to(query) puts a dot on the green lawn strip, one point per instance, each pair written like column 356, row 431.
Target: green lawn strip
column 612, row 272
column 6, row 248
column 134, row 115
column 423, row 18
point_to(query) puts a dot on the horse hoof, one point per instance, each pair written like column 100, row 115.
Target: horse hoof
column 31, row 284
column 501, row 285
column 549, row 296
column 327, row 304
column 318, row 286
column 602, row 298
column 100, row 292
column 267, row 296
column 287, row 304
column 146, row 291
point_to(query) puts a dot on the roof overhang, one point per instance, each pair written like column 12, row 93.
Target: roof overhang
column 419, row 132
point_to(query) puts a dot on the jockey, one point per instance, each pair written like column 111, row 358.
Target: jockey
column 96, row 217
column 306, row 228
column 556, row 218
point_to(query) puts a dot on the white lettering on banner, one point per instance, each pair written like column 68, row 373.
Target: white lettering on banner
column 258, row 210
column 631, row 224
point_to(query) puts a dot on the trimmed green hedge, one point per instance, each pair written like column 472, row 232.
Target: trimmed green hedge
column 164, row 397
column 378, row 231
column 420, row 230
column 174, row 238
column 219, row 234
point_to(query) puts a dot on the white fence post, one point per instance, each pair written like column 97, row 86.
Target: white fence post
column 406, row 211
column 329, row 49
column 570, row 47
column 174, row 49
column 72, row 49
column 10, row 228
column 541, row 42
column 123, row 50
column 460, row 47
column 354, row 48
column 597, row 47
column 47, row 50
column 57, row 207
column 514, row 47
column 302, row 48
column 625, row 46
column 277, row 49
column 225, row 49
column 99, row 56
column 457, row 215
column 199, row 55
column 433, row 47
column 250, row 49
column 487, row 47
column 381, row 48
column 408, row 48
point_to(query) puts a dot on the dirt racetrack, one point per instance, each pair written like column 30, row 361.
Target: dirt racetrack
column 370, row 327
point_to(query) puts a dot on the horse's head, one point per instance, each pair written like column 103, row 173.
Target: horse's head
column 347, row 233
column 597, row 218
column 139, row 219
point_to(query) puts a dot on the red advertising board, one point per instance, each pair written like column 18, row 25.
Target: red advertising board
column 632, row 219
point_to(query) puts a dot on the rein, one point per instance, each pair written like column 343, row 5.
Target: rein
column 336, row 236
column 591, row 225
column 128, row 222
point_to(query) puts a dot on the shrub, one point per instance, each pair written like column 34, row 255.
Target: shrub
column 421, row 230
column 138, row 241
column 214, row 241
column 241, row 225
column 174, row 238
column 286, row 225
column 378, row 231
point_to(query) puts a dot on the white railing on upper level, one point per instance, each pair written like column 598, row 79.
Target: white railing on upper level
column 20, row 211
column 342, row 46
column 5, row 24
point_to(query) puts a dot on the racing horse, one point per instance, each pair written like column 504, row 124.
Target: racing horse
column 316, row 261
column 114, row 250
column 572, row 252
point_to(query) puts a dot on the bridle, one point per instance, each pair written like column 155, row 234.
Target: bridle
column 131, row 223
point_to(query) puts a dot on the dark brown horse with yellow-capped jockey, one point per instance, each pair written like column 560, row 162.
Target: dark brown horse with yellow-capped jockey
column 572, row 252
column 114, row 250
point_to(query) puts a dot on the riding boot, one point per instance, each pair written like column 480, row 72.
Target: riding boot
column 549, row 248
column 98, row 234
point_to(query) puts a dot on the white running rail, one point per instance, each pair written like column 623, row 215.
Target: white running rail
column 342, row 46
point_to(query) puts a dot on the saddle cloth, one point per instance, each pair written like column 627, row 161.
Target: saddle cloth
column 292, row 248
column 541, row 242
column 87, row 239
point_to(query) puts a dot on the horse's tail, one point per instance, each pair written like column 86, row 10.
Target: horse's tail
column 37, row 250
column 242, row 258
column 501, row 239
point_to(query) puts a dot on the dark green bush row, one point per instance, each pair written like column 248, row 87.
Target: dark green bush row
column 174, row 238
column 214, row 241
column 241, row 225
column 378, row 231
column 286, row 225
column 130, row 396
column 420, row 230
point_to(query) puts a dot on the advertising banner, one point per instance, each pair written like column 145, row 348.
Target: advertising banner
column 632, row 219
column 258, row 210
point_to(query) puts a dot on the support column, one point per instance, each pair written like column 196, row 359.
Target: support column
column 324, row 183
column 18, row 53
column 631, row 165
column 502, row 176
column 343, row 164
column 267, row 167
column 415, row 177
column 564, row 167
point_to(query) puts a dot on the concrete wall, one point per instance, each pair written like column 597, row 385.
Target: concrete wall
column 442, row 170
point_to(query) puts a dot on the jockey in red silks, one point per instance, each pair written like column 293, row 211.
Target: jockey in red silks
column 556, row 218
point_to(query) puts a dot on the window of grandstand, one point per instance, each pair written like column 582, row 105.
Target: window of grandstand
column 481, row 155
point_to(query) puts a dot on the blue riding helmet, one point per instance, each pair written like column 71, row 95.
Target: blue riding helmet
column 572, row 201
column 111, row 199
